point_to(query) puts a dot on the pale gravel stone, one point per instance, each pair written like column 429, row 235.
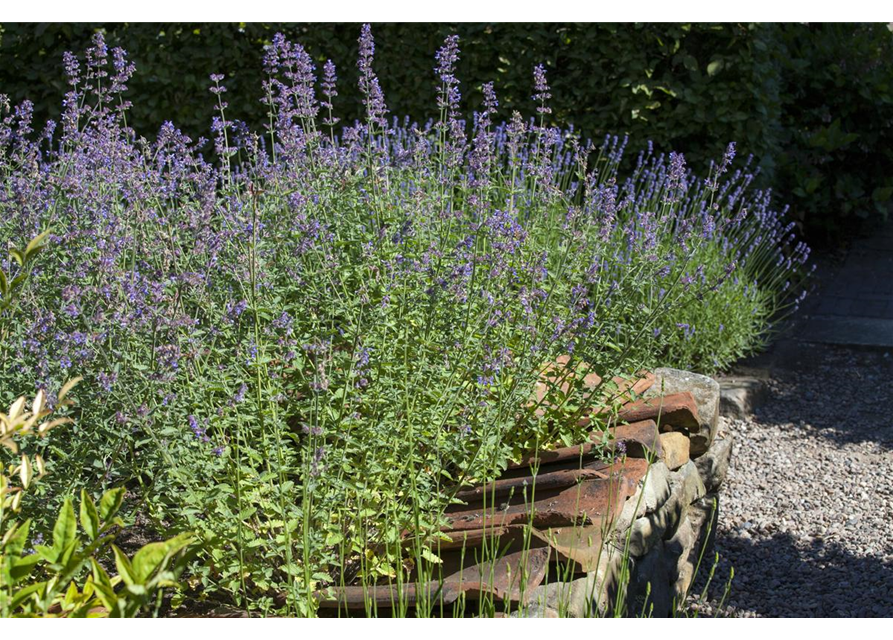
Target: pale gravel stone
column 806, row 505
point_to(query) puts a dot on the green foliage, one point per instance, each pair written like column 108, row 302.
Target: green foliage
column 43, row 581
column 10, row 287
column 154, row 567
column 838, row 125
column 60, row 562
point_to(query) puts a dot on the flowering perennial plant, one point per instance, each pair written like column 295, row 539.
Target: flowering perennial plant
column 302, row 348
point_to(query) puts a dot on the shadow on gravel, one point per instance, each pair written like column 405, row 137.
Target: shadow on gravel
column 837, row 393
column 775, row 577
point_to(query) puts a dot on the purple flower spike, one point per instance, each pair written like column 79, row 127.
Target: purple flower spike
column 542, row 89
column 373, row 97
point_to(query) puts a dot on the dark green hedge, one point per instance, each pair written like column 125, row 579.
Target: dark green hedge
column 836, row 168
column 811, row 102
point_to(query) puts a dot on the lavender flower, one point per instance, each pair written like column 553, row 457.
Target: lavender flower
column 197, row 430
column 542, row 89
column 373, row 98
column 330, row 92
column 447, row 57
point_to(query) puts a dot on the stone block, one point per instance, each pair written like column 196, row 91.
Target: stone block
column 714, row 464
column 738, row 397
column 675, row 447
column 671, row 411
column 706, row 394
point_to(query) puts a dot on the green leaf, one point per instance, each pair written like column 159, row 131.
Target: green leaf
column 714, row 67
column 334, row 538
column 882, row 194
column 431, row 557
column 20, row 568
column 155, row 556
column 35, row 245
column 71, row 596
column 99, row 574
column 15, row 539
column 18, row 256
column 68, row 560
column 106, row 595
column 247, row 512
column 89, row 517
column 50, row 554
column 110, row 503
column 125, row 569
column 65, row 530
column 24, row 593
column 148, row 559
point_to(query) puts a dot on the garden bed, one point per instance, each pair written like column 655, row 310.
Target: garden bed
column 321, row 357
column 564, row 533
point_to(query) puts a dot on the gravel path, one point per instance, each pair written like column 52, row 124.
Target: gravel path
column 806, row 513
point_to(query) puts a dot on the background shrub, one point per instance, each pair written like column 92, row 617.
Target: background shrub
column 837, row 125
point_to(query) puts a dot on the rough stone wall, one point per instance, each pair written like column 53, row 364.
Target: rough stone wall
column 648, row 564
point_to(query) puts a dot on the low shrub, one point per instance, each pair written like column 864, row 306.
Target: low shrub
column 43, row 580
column 303, row 350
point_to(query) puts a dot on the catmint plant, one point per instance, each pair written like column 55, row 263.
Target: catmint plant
column 300, row 344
